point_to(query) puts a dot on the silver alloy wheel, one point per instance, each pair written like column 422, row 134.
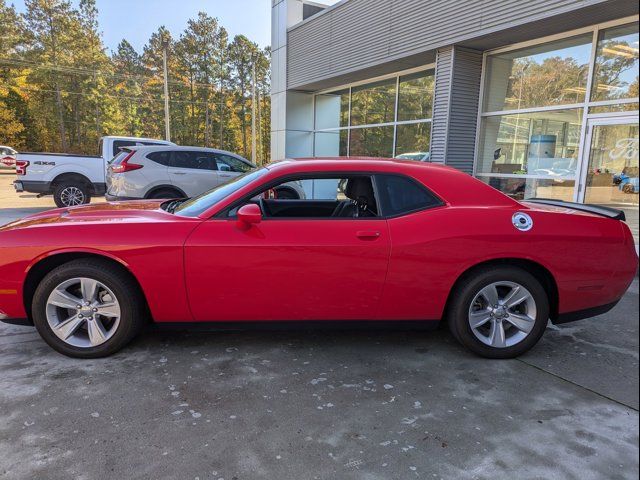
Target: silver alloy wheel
column 71, row 196
column 83, row 312
column 502, row 314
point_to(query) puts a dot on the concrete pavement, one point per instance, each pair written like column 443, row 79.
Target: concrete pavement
column 325, row 405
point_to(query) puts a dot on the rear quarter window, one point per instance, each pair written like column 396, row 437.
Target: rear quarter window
column 163, row 158
column 400, row 195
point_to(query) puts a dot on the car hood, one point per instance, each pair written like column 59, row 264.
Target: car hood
column 132, row 211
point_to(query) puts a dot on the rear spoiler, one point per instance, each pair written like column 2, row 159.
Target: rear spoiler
column 608, row 212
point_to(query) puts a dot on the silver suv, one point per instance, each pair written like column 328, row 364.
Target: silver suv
column 170, row 172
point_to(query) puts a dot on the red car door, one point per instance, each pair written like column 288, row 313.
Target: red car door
column 287, row 269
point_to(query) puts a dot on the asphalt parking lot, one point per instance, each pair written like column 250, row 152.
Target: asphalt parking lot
column 15, row 205
column 322, row 404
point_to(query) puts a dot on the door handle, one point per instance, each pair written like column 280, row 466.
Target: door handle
column 179, row 173
column 367, row 234
column 225, row 175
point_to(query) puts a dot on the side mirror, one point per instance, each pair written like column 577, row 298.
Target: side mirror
column 248, row 215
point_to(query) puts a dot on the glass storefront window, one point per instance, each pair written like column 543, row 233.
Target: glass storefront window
column 331, row 143
column 539, row 143
column 612, row 173
column 373, row 103
column 371, row 142
column 618, row 107
column 616, row 68
column 521, row 188
column 413, row 138
column 415, row 96
column 403, row 103
column 332, row 110
column 550, row 74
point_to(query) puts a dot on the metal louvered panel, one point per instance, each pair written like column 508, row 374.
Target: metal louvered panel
column 441, row 96
column 367, row 34
column 463, row 109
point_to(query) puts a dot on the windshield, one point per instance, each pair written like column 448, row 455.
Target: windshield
column 196, row 205
column 413, row 156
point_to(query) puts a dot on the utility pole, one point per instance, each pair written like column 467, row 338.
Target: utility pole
column 221, row 108
column 206, row 117
column 167, row 127
column 253, row 113
column 259, row 107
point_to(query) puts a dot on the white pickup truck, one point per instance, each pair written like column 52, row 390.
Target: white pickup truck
column 72, row 179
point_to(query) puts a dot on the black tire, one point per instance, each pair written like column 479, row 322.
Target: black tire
column 63, row 189
column 132, row 305
column 163, row 193
column 467, row 289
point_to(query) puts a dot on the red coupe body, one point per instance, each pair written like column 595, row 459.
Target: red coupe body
column 210, row 268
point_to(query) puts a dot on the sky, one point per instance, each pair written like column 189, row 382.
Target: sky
column 136, row 20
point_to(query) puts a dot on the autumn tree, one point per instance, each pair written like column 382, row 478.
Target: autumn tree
column 60, row 90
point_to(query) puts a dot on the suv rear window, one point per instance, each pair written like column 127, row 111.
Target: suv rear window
column 400, row 195
column 119, row 157
column 118, row 144
column 163, row 158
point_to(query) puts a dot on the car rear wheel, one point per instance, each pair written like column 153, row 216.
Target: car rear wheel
column 499, row 312
column 69, row 194
column 165, row 193
column 88, row 308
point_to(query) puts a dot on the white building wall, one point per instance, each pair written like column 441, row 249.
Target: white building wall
column 291, row 112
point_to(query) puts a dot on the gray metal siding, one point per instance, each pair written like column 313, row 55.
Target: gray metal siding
column 361, row 34
column 455, row 107
column 441, row 94
column 463, row 109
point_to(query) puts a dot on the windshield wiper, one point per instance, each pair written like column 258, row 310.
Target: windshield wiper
column 171, row 206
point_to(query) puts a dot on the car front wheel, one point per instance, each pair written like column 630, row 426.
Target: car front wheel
column 499, row 312
column 88, row 308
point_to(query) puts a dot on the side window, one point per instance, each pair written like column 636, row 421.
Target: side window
column 163, row 158
column 194, row 160
column 204, row 161
column 227, row 163
column 182, row 159
column 400, row 194
column 326, row 197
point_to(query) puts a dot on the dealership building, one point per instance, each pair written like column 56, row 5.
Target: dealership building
column 537, row 98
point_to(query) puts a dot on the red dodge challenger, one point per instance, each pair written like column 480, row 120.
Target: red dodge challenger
column 372, row 240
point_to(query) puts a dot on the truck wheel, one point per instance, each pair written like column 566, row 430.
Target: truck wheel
column 69, row 194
